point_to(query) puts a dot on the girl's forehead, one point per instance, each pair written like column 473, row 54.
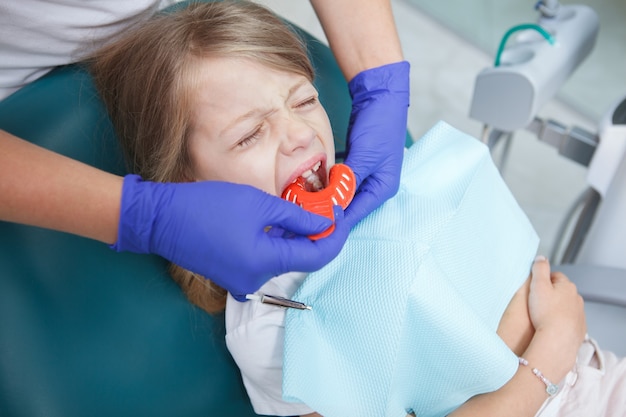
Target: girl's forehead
column 238, row 68
column 227, row 92
column 221, row 79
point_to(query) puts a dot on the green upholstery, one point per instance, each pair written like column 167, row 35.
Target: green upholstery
column 85, row 331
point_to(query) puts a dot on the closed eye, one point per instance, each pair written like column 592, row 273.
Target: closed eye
column 252, row 138
column 311, row 101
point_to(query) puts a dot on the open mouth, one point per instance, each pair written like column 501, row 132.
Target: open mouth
column 313, row 179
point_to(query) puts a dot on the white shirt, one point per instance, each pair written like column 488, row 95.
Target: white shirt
column 254, row 336
column 38, row 35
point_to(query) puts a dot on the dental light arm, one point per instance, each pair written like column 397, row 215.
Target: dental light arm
column 572, row 142
column 533, row 66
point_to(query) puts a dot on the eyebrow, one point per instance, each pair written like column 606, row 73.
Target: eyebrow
column 259, row 112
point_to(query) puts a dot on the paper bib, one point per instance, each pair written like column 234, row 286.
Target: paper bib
column 405, row 317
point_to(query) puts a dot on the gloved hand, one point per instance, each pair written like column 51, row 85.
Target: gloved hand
column 218, row 230
column 376, row 135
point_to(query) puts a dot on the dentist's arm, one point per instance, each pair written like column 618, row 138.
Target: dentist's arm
column 42, row 188
column 212, row 228
column 362, row 33
column 363, row 37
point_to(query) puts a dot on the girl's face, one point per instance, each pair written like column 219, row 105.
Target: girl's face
column 258, row 126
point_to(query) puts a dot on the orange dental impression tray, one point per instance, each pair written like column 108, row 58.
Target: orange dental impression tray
column 339, row 192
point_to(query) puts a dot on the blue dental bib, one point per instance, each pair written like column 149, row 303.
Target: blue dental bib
column 405, row 317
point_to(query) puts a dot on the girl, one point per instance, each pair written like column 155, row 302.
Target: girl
column 224, row 92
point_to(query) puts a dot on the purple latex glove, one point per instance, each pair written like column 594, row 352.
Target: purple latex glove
column 376, row 135
column 217, row 229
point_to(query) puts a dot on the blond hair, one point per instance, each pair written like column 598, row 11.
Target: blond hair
column 145, row 78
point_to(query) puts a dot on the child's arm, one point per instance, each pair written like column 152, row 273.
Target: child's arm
column 515, row 327
column 523, row 395
column 556, row 311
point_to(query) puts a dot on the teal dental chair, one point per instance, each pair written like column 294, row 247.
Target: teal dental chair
column 85, row 331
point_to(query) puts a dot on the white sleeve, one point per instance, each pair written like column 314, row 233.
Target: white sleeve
column 38, row 35
column 254, row 336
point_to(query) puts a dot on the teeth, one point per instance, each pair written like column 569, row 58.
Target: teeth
column 306, row 174
column 312, row 179
column 315, row 183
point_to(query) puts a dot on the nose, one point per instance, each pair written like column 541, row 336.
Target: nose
column 297, row 134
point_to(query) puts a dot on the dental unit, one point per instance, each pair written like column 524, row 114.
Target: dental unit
column 534, row 66
column 528, row 71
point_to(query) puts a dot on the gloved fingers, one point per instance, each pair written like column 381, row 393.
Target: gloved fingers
column 240, row 297
column 361, row 206
column 291, row 218
column 377, row 127
column 363, row 164
column 289, row 252
column 375, row 141
column 219, row 230
column 302, row 254
column 383, row 173
column 373, row 192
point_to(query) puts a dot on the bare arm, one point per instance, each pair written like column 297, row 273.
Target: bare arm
column 42, row 188
column 557, row 314
column 361, row 33
column 524, row 394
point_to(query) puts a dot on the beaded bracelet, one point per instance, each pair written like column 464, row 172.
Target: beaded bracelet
column 551, row 388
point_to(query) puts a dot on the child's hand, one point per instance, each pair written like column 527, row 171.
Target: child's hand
column 557, row 313
column 554, row 302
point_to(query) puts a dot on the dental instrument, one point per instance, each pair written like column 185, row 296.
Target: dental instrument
column 339, row 192
column 278, row 301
